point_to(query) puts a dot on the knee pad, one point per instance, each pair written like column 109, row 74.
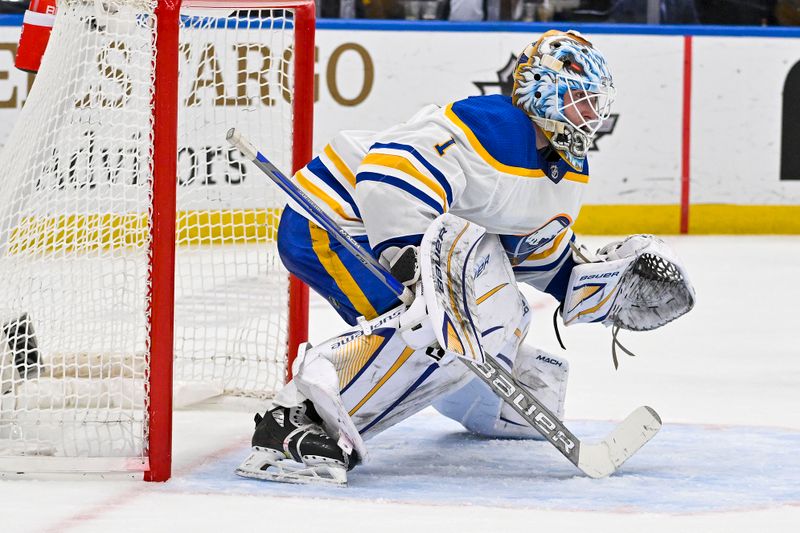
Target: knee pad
column 481, row 411
column 544, row 375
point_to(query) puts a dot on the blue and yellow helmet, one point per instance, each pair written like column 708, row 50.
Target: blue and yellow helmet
column 564, row 85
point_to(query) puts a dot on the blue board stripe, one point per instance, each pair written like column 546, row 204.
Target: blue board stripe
column 532, row 27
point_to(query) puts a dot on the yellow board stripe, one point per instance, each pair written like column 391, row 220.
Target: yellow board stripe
column 490, row 293
column 623, row 219
column 339, row 164
column 704, row 219
column 320, row 242
column 319, row 193
column 485, row 155
column 404, row 165
column 389, row 373
column 88, row 232
column 744, row 219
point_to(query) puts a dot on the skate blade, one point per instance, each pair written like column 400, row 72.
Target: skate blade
column 266, row 466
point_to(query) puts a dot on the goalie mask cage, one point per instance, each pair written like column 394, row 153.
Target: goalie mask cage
column 131, row 94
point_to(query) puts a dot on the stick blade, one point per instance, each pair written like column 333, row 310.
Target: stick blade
column 605, row 457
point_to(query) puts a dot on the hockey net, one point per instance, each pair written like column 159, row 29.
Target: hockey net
column 78, row 251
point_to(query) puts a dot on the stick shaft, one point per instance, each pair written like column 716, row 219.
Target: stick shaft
column 320, row 217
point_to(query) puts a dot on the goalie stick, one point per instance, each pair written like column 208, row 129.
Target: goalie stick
column 595, row 459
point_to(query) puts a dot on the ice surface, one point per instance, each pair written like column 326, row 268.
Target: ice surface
column 724, row 379
column 431, row 459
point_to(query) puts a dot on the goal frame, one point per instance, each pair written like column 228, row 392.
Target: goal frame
column 162, row 247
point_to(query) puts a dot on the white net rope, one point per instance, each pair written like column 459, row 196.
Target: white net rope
column 231, row 307
column 76, row 190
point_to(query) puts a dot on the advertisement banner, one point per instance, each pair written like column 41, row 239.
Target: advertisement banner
column 736, row 100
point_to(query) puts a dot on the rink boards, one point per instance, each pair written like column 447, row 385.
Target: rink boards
column 703, row 131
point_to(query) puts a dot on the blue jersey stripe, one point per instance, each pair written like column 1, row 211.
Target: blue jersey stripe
column 400, row 184
column 403, row 240
column 433, row 170
column 319, row 169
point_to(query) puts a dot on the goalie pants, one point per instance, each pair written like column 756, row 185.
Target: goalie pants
column 320, row 261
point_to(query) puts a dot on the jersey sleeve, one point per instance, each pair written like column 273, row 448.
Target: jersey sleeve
column 549, row 270
column 403, row 183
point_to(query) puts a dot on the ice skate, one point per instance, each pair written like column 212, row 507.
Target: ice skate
column 290, row 446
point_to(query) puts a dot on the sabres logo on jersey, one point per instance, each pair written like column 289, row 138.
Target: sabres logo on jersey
column 555, row 174
column 520, row 247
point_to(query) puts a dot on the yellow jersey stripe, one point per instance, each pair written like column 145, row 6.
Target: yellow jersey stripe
column 320, row 243
column 574, row 176
column 340, row 166
column 485, row 155
column 389, row 373
column 322, row 195
column 402, row 164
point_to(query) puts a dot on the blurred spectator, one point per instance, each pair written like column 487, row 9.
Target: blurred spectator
column 737, row 12
column 425, row 9
column 787, row 12
column 723, row 12
column 637, row 11
column 381, row 9
column 13, row 6
column 465, row 10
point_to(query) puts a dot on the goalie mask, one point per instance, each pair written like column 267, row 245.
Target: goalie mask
column 565, row 87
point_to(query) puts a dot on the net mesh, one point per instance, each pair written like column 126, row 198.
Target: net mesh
column 76, row 189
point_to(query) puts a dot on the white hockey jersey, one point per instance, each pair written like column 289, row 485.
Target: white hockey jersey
column 475, row 158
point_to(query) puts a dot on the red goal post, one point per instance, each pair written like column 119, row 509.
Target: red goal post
column 165, row 115
column 114, row 280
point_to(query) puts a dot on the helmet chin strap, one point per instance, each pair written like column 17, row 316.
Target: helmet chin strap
column 564, row 137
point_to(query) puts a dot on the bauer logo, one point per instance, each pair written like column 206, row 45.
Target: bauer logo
column 480, row 265
column 545, row 422
column 504, row 84
column 437, row 259
column 599, row 276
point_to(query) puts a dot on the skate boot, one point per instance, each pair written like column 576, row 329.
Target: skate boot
column 289, row 445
